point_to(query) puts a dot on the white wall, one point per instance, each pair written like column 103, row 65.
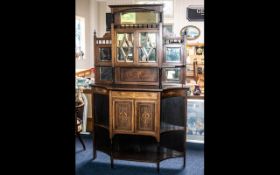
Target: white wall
column 94, row 12
column 180, row 10
column 102, row 18
column 82, row 9
column 88, row 10
column 94, row 23
column 179, row 20
column 103, row 8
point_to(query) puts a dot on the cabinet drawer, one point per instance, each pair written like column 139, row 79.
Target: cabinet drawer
column 148, row 95
column 122, row 94
column 142, row 76
column 136, row 95
column 139, row 74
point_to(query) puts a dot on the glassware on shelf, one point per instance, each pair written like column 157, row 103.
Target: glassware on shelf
column 196, row 90
column 79, row 53
column 83, row 82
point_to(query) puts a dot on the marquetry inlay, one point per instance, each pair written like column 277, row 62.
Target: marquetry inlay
column 123, row 115
column 139, row 74
column 146, row 118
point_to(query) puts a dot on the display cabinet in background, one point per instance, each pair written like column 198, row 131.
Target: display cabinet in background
column 195, row 120
column 195, row 65
column 195, row 105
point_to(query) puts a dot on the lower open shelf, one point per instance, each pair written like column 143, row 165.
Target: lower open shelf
column 137, row 148
column 146, row 156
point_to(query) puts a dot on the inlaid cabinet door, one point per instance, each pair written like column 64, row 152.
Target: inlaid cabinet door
column 123, row 116
column 145, row 116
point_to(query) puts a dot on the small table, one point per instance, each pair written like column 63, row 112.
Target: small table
column 83, row 72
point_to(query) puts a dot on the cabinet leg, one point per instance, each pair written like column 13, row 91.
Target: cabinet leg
column 184, row 165
column 184, row 157
column 94, row 147
column 81, row 140
column 111, row 157
column 158, row 167
column 158, row 153
column 94, row 155
column 112, row 163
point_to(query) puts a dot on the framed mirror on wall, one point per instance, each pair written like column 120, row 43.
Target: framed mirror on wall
column 192, row 32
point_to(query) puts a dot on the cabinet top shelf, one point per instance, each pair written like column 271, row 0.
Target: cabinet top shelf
column 136, row 8
column 138, row 87
column 137, row 5
column 195, row 44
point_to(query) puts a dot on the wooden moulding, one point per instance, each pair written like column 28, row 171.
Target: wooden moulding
column 138, row 95
column 174, row 93
column 99, row 90
column 136, row 7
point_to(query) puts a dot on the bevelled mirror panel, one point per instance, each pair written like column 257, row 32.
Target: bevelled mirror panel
column 172, row 74
column 106, row 73
column 173, row 54
column 125, row 47
column 139, row 17
column 147, row 47
column 105, row 54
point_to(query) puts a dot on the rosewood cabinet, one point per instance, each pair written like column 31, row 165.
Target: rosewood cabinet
column 139, row 96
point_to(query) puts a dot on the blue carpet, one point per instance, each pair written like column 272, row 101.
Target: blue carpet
column 101, row 165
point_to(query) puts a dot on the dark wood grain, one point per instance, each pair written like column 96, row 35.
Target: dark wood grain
column 138, row 75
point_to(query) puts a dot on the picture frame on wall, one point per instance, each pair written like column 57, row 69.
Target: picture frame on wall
column 199, row 50
column 195, row 13
column 189, row 70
